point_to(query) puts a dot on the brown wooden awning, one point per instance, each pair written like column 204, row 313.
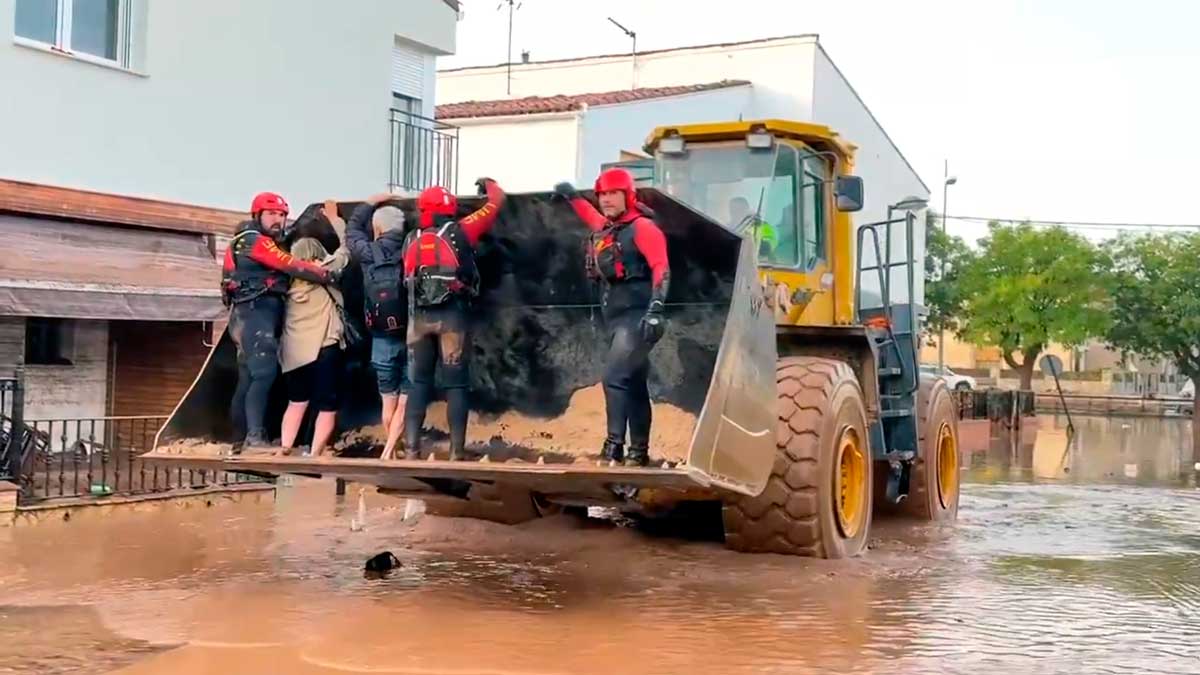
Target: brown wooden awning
column 55, row 268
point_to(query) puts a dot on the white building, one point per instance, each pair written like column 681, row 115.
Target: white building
column 133, row 135
column 208, row 102
column 568, row 117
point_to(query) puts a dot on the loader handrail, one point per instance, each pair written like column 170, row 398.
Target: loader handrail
column 883, row 268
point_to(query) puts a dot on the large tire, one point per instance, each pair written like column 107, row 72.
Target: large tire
column 821, row 437
column 934, row 486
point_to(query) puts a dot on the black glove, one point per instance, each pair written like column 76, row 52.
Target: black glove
column 653, row 323
column 565, row 190
column 481, row 185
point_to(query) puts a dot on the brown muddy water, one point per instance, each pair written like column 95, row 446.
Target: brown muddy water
column 1064, row 560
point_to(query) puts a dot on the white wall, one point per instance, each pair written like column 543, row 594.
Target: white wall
column 780, row 70
column 78, row 390
column 232, row 98
column 426, row 22
column 524, row 154
column 886, row 176
column 609, row 129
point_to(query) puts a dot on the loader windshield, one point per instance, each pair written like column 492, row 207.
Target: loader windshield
column 747, row 190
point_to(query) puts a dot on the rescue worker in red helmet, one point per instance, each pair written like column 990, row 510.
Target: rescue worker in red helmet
column 628, row 255
column 441, row 279
column 254, row 285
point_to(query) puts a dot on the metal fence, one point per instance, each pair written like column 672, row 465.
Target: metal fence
column 87, row 456
column 10, row 410
column 424, row 152
column 994, row 404
column 100, row 456
column 1147, row 384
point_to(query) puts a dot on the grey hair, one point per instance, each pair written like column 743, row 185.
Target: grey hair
column 387, row 218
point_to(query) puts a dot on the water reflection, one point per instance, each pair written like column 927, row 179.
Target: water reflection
column 1048, row 571
column 1122, row 450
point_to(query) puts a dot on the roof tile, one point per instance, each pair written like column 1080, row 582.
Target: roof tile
column 532, row 105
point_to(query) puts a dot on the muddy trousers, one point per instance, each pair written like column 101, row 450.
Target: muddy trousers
column 254, row 326
column 434, row 336
column 626, row 393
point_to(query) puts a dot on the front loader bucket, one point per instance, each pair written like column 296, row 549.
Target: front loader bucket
column 538, row 347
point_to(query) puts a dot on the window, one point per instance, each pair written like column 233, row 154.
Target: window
column 812, row 210
column 49, row 342
column 98, row 28
column 406, row 104
column 747, row 190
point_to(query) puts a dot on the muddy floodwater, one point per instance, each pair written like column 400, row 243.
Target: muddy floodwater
column 1067, row 558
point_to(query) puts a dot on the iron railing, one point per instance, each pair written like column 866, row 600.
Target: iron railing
column 993, row 404
column 100, row 457
column 11, row 405
column 424, row 152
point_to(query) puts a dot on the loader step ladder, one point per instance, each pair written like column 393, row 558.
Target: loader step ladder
column 892, row 329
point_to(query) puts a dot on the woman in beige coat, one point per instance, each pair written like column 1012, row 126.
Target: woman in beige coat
column 310, row 349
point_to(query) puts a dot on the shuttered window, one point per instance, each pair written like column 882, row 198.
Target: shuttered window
column 408, row 72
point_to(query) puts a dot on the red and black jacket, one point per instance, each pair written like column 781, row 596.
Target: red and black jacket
column 423, row 269
column 256, row 266
column 629, row 254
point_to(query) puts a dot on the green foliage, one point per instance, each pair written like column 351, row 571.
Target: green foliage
column 1030, row 286
column 946, row 256
column 1155, row 286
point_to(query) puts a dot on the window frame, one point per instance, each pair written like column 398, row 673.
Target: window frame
column 821, row 217
column 63, row 24
column 63, row 332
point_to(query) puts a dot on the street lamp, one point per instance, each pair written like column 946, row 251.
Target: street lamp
column 910, row 203
column 946, row 183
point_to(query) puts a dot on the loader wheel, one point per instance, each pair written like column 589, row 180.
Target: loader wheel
column 934, row 486
column 818, row 498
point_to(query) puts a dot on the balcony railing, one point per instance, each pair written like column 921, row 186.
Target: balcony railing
column 424, row 152
column 100, row 457
column 52, row 459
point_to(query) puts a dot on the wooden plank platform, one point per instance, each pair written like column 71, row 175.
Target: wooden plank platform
column 399, row 474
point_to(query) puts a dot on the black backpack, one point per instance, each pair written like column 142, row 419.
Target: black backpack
column 387, row 307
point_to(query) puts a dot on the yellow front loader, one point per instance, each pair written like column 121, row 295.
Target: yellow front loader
column 786, row 393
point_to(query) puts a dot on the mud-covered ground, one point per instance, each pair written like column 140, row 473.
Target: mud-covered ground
column 1088, row 570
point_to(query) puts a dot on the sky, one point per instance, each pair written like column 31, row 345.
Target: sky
column 1052, row 110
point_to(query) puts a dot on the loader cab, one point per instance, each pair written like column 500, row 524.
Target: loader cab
column 784, row 187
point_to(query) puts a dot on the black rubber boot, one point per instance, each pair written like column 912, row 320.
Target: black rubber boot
column 613, row 451
column 638, row 455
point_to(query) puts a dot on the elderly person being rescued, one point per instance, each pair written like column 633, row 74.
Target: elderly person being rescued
column 310, row 349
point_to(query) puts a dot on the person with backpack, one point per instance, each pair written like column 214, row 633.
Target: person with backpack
column 255, row 279
column 378, row 252
column 628, row 256
column 441, row 279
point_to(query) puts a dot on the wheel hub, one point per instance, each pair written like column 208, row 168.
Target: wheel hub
column 850, row 482
column 947, row 466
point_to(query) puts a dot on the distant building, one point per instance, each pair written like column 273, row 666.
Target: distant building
column 566, row 118
column 133, row 135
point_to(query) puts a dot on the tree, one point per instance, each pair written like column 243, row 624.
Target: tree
column 1031, row 286
column 945, row 258
column 1156, row 304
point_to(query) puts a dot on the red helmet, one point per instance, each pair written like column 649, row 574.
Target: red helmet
column 268, row 201
column 436, row 201
column 618, row 180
